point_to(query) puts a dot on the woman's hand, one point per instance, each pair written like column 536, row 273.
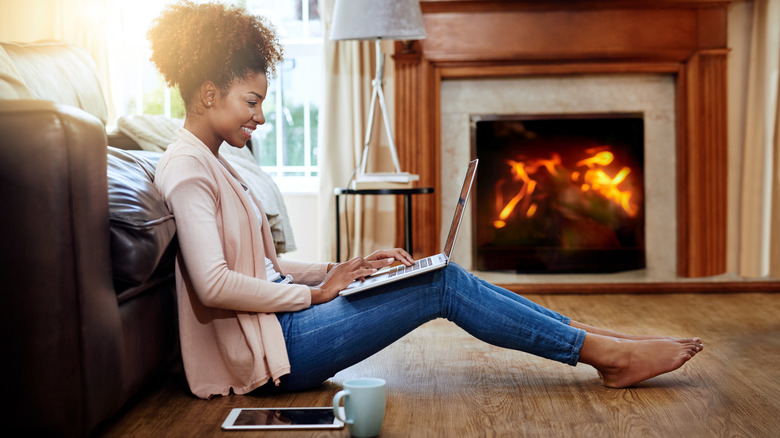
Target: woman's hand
column 341, row 275
column 395, row 253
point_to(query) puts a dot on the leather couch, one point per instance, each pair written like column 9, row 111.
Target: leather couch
column 86, row 251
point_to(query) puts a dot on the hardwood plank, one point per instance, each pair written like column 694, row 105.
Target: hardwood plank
column 442, row 382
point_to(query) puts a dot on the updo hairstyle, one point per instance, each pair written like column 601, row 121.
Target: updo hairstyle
column 194, row 43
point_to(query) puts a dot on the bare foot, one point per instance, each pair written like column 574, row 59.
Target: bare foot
column 625, row 362
column 610, row 333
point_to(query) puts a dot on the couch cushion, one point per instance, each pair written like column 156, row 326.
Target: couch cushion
column 142, row 227
column 62, row 73
column 11, row 83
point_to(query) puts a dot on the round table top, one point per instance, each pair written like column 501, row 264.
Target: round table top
column 405, row 191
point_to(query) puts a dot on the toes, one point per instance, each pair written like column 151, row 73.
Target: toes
column 695, row 349
column 694, row 342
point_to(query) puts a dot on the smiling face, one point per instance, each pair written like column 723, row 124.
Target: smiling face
column 232, row 115
column 240, row 110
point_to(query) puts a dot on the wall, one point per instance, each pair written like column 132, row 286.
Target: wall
column 26, row 21
column 304, row 215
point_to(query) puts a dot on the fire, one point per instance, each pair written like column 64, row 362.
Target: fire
column 590, row 176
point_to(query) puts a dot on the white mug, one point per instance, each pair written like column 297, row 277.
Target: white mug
column 364, row 406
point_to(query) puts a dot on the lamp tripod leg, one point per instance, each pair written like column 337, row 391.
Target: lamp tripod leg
column 369, row 129
column 377, row 92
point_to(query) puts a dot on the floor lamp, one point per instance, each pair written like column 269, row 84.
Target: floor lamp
column 377, row 20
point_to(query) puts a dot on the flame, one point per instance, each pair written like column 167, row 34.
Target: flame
column 594, row 178
column 601, row 158
column 531, row 210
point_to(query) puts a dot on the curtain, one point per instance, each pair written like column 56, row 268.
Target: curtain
column 367, row 222
column 759, row 181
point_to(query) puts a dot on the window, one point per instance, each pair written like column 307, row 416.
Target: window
column 286, row 146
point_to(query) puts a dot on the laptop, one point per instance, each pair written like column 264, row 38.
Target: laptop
column 427, row 264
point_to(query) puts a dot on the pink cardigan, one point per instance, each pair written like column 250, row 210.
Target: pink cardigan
column 230, row 336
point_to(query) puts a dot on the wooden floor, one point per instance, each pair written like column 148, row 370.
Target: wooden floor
column 443, row 383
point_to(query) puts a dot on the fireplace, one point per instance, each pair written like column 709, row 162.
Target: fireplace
column 558, row 193
column 529, row 40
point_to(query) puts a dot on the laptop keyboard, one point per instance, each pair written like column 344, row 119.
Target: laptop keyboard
column 418, row 264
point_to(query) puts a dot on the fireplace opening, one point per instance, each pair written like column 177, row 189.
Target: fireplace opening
column 559, row 193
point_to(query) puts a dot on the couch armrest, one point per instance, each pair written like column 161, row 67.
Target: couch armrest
column 58, row 305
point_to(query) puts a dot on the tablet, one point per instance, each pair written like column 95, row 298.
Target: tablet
column 281, row 418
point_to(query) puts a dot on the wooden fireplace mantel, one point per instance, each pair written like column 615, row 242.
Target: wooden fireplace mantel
column 489, row 39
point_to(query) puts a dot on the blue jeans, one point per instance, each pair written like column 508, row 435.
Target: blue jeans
column 326, row 338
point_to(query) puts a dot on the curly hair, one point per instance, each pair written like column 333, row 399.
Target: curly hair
column 194, row 43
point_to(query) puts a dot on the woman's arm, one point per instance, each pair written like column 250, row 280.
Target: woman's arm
column 192, row 195
column 310, row 274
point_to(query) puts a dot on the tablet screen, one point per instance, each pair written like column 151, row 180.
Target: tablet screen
column 281, row 418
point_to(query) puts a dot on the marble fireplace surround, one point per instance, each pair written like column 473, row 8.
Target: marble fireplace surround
column 678, row 44
column 653, row 96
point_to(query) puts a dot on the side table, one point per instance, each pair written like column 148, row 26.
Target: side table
column 407, row 193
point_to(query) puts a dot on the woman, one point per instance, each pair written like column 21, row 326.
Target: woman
column 249, row 320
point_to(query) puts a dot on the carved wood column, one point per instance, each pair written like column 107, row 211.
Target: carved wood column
column 417, row 152
column 702, row 169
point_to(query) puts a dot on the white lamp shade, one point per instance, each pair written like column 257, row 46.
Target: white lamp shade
column 377, row 19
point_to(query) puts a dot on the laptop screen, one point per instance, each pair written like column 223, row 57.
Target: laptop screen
column 461, row 207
